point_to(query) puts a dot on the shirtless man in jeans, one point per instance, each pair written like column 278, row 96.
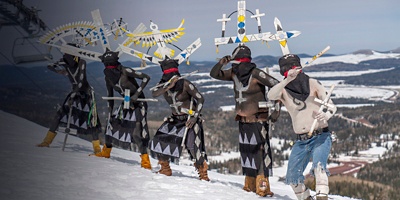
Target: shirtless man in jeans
column 297, row 92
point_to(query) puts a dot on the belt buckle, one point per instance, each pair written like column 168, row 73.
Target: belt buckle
column 303, row 136
column 317, row 132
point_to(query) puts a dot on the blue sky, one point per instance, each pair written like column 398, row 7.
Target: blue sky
column 345, row 25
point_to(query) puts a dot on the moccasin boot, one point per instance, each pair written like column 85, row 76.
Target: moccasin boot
column 249, row 184
column 96, row 146
column 145, row 163
column 262, row 186
column 202, row 170
column 165, row 168
column 48, row 139
column 105, row 152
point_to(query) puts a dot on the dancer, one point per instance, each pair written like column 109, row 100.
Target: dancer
column 184, row 127
column 250, row 86
column 297, row 92
column 80, row 100
column 125, row 125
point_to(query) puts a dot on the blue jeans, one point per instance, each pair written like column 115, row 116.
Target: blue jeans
column 316, row 148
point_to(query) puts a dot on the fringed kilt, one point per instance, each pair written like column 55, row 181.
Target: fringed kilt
column 252, row 137
column 168, row 139
column 122, row 125
column 84, row 116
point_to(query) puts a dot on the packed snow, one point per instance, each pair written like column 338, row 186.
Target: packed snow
column 30, row 172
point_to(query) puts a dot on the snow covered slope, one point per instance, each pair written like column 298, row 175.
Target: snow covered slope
column 29, row 172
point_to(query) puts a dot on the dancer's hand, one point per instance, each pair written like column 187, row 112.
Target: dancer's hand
column 292, row 73
column 191, row 122
column 225, row 60
column 172, row 82
column 274, row 116
column 322, row 116
column 134, row 97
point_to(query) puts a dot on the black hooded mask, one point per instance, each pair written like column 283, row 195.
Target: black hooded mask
column 70, row 60
column 299, row 88
column 170, row 69
column 110, row 58
column 287, row 61
column 241, row 51
column 244, row 69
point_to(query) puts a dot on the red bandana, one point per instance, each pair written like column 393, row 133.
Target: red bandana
column 111, row 67
column 170, row 70
column 243, row 59
column 286, row 73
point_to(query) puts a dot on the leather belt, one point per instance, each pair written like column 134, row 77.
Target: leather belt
column 180, row 117
column 304, row 136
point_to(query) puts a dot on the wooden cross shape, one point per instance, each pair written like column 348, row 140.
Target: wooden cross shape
column 127, row 98
column 324, row 103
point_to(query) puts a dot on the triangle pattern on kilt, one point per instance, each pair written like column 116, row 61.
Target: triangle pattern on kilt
column 173, row 131
column 181, row 132
column 76, row 121
column 123, row 137
column 158, row 148
column 115, row 135
column 245, row 140
column 128, row 138
column 64, row 119
column 133, row 117
column 253, row 165
column 240, row 139
column 253, row 140
column 86, row 108
column 74, row 104
column 176, row 152
column 164, row 129
column 167, row 150
column 84, row 126
column 127, row 116
column 247, row 163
